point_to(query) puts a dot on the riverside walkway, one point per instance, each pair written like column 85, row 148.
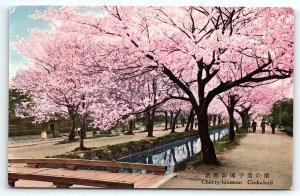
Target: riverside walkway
column 42, row 149
column 261, row 161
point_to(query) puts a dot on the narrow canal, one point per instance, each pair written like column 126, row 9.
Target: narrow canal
column 171, row 154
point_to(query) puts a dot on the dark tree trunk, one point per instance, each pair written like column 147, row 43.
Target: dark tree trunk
column 72, row 130
column 244, row 114
column 166, row 120
column 230, row 106
column 150, row 122
column 231, row 123
column 219, row 120
column 209, row 119
column 189, row 121
column 244, row 120
column 52, row 128
column 182, row 119
column 131, row 127
column 214, row 119
column 207, row 146
column 232, row 101
column 175, row 121
column 123, row 128
column 192, row 122
column 133, row 124
column 82, row 131
column 236, row 124
column 171, row 119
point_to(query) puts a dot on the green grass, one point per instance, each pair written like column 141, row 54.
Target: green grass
column 221, row 145
column 114, row 152
column 288, row 130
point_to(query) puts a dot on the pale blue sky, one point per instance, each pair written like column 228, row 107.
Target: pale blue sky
column 19, row 25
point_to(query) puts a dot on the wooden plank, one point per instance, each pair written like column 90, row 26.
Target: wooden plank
column 33, row 184
column 120, row 176
column 128, row 177
column 150, row 182
column 138, row 178
column 89, row 174
column 64, row 182
column 105, row 175
column 145, row 180
column 76, row 162
column 25, row 170
column 57, row 172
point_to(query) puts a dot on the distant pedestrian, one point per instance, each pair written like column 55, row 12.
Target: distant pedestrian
column 273, row 126
column 254, row 125
column 263, row 126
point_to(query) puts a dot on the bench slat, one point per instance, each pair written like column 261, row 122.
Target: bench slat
column 76, row 162
column 65, row 182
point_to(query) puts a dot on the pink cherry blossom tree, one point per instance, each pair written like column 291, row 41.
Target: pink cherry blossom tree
column 57, row 78
column 204, row 51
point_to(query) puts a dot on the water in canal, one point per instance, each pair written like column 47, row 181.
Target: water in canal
column 170, row 154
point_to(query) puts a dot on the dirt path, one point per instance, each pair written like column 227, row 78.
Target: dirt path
column 258, row 155
column 40, row 150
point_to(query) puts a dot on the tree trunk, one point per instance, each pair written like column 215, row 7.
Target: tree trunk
column 171, row 119
column 52, row 128
column 189, row 121
column 150, row 122
column 233, row 99
column 236, row 124
column 244, row 120
column 166, row 120
column 131, row 127
column 182, row 120
column 123, row 128
column 219, row 120
column 207, row 146
column 175, row 121
column 133, row 124
column 192, row 121
column 72, row 130
column 214, row 120
column 231, row 124
column 244, row 114
column 82, row 131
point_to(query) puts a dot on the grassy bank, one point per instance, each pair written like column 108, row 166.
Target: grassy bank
column 221, row 145
column 114, row 152
column 288, row 130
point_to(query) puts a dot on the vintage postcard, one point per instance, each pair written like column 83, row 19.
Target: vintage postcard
column 187, row 97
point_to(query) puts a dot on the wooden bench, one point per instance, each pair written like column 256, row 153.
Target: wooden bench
column 65, row 182
column 72, row 164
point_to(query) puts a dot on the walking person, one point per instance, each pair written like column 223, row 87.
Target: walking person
column 254, row 125
column 263, row 126
column 273, row 126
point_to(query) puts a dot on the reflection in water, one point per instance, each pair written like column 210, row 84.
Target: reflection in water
column 171, row 154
